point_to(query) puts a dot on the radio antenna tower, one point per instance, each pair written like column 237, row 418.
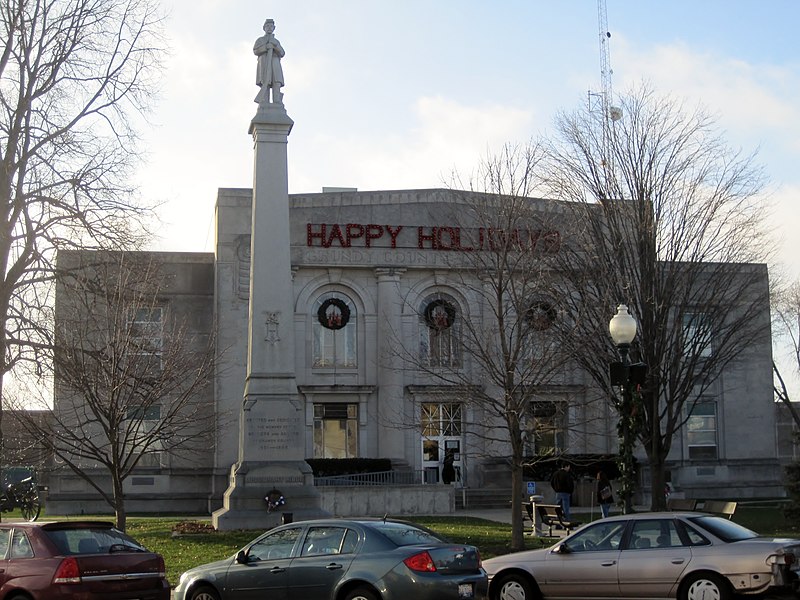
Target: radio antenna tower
column 606, row 94
column 609, row 113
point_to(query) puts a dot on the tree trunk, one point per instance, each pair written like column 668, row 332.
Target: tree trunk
column 119, row 503
column 657, row 456
column 517, row 537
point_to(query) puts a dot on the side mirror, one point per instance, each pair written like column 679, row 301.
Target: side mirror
column 562, row 549
column 242, row 558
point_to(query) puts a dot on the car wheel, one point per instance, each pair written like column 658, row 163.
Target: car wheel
column 361, row 594
column 203, row 593
column 705, row 586
column 514, row 587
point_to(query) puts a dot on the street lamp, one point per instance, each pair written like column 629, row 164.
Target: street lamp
column 622, row 328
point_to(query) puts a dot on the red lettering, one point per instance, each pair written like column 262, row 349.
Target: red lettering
column 534, row 238
column 451, row 235
column 311, row 235
column 436, row 238
column 458, row 242
column 394, row 233
column 422, row 238
column 373, row 233
column 336, row 232
column 354, row 230
column 552, row 242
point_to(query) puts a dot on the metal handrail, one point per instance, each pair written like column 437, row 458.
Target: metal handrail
column 378, row 478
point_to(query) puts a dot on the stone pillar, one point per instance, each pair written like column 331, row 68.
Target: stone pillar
column 271, row 421
column 391, row 407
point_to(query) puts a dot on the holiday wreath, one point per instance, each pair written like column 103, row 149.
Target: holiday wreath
column 274, row 499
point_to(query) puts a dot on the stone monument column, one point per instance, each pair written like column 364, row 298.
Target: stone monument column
column 271, row 421
column 392, row 428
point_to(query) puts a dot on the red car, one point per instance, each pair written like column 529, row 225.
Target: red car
column 79, row 560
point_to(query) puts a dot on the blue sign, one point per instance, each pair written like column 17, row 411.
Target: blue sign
column 531, row 487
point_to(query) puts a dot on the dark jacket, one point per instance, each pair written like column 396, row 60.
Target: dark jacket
column 562, row 482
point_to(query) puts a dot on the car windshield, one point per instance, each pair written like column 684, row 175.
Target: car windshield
column 404, row 534
column 724, row 529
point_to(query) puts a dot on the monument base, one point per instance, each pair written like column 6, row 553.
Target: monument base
column 245, row 505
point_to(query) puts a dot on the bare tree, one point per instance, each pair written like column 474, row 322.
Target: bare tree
column 73, row 75
column 131, row 373
column 670, row 223
column 494, row 345
column 786, row 324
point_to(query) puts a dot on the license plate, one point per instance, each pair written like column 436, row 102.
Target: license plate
column 465, row 590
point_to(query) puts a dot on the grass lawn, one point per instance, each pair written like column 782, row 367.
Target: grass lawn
column 492, row 538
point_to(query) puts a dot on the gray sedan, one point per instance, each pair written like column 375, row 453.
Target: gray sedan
column 689, row 556
column 337, row 559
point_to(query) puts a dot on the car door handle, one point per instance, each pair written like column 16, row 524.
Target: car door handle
column 333, row 566
column 277, row 570
column 678, row 561
column 608, row 563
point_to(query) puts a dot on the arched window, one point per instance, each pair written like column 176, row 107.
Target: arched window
column 440, row 332
column 334, row 332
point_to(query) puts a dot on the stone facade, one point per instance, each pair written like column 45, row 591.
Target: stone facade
column 385, row 254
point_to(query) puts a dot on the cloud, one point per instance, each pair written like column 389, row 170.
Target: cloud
column 754, row 102
column 446, row 135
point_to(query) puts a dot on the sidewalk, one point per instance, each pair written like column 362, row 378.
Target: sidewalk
column 503, row 515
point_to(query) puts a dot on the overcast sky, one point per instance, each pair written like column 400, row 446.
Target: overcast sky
column 397, row 95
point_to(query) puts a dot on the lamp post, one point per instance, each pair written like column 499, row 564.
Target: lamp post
column 622, row 328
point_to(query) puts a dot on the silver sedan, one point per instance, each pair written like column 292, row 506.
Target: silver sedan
column 688, row 556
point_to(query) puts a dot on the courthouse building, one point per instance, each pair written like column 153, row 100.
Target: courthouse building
column 320, row 299
column 369, row 270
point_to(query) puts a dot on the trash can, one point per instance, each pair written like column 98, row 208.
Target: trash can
column 286, row 518
column 537, row 520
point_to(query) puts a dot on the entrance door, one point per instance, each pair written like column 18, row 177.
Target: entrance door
column 441, row 433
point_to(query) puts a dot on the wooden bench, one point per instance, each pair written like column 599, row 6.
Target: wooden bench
column 719, row 507
column 681, row 504
column 552, row 516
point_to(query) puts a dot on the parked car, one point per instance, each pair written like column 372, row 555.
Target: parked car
column 342, row 559
column 689, row 556
column 77, row 559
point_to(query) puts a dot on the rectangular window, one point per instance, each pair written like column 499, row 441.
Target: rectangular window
column 697, row 335
column 335, row 430
column 547, row 426
column 701, row 429
column 334, row 348
column 144, row 413
column 440, row 419
column 441, row 346
column 144, row 420
column 146, row 334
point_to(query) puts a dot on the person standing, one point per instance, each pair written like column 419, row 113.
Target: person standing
column 448, row 466
column 605, row 494
column 563, row 486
